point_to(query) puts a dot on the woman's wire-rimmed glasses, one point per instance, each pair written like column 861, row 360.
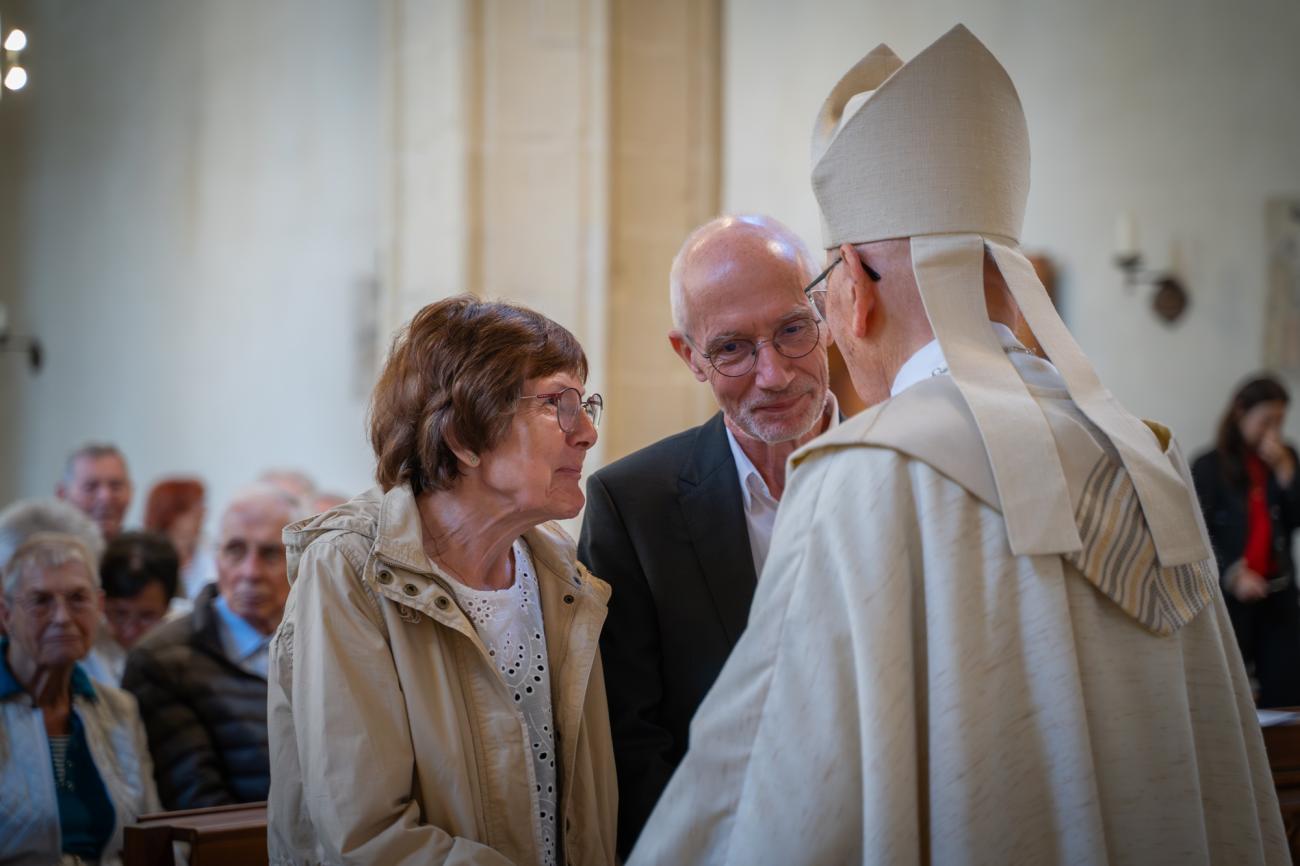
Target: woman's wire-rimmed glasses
column 734, row 356
column 817, row 297
column 568, row 403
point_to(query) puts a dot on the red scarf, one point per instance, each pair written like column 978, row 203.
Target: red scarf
column 1259, row 525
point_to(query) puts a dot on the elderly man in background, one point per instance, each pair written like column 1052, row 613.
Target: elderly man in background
column 95, row 479
column 681, row 528
column 989, row 630
column 74, row 761
column 201, row 679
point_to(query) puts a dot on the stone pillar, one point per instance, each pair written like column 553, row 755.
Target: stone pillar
column 664, row 180
column 555, row 153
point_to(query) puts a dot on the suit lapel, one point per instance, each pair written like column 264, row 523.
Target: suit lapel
column 709, row 491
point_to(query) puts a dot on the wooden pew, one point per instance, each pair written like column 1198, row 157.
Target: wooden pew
column 1282, row 742
column 217, row 836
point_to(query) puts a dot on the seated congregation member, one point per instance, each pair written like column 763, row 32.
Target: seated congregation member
column 95, row 479
column 436, row 686
column 74, row 762
column 1251, row 499
column 176, row 507
column 681, row 528
column 139, row 573
column 989, row 628
column 201, row 679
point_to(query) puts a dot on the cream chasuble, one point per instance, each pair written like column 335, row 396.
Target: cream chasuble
column 908, row 691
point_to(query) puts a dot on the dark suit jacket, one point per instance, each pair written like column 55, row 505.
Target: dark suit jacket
column 665, row 527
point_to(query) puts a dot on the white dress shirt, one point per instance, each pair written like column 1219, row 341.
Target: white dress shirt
column 929, row 360
column 760, row 504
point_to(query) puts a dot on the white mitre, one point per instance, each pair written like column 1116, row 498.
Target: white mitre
column 938, row 151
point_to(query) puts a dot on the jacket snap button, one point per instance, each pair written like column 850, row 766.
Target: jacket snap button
column 441, row 602
column 385, row 577
column 411, row 589
column 568, row 599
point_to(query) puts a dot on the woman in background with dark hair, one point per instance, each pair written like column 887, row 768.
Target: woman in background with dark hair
column 1251, row 499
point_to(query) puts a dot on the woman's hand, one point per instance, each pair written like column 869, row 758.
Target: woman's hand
column 1273, row 451
column 1248, row 586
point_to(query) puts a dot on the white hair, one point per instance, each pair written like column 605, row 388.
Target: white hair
column 27, row 517
column 262, row 494
column 758, row 224
column 42, row 550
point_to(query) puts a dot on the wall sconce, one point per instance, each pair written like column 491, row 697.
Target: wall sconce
column 17, row 343
column 1170, row 300
column 13, row 75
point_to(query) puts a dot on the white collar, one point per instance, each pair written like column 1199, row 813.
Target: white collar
column 751, row 480
column 929, row 360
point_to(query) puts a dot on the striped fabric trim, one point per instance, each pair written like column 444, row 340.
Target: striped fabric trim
column 1119, row 556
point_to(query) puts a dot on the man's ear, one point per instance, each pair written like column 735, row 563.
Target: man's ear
column 865, row 291
column 685, row 351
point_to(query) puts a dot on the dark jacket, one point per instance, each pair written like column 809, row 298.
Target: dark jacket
column 665, row 527
column 205, row 716
column 1224, row 507
column 1268, row 630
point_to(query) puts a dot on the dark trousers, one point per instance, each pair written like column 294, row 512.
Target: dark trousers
column 1268, row 633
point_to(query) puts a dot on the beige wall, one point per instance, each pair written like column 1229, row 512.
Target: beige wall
column 666, row 97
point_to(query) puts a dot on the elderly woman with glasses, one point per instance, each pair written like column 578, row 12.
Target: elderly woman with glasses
column 436, row 693
column 74, row 762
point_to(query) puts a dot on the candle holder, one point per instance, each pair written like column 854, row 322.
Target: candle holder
column 1170, row 300
column 1131, row 264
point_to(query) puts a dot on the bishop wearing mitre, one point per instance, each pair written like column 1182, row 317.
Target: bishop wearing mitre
column 989, row 628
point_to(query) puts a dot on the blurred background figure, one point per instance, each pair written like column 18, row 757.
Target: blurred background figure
column 95, row 479
column 139, row 573
column 1251, row 501
column 201, row 678
column 74, row 764
column 323, row 501
column 294, row 482
column 176, row 508
column 25, row 517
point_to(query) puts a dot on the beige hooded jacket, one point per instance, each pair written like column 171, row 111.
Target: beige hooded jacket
column 393, row 739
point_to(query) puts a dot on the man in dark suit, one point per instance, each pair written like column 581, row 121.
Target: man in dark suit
column 680, row 528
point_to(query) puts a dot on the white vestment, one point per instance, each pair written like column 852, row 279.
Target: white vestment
column 907, row 691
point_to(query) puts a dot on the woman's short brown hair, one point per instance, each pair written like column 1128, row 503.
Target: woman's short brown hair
column 455, row 375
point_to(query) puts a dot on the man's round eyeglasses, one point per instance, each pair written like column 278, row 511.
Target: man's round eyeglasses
column 568, row 403
column 732, row 356
column 817, row 296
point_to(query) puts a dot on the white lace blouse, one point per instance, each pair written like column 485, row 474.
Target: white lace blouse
column 509, row 622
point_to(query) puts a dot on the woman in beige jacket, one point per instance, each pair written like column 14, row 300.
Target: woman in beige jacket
column 436, row 694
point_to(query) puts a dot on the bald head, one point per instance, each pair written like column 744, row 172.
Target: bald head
column 737, row 293
column 726, row 249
